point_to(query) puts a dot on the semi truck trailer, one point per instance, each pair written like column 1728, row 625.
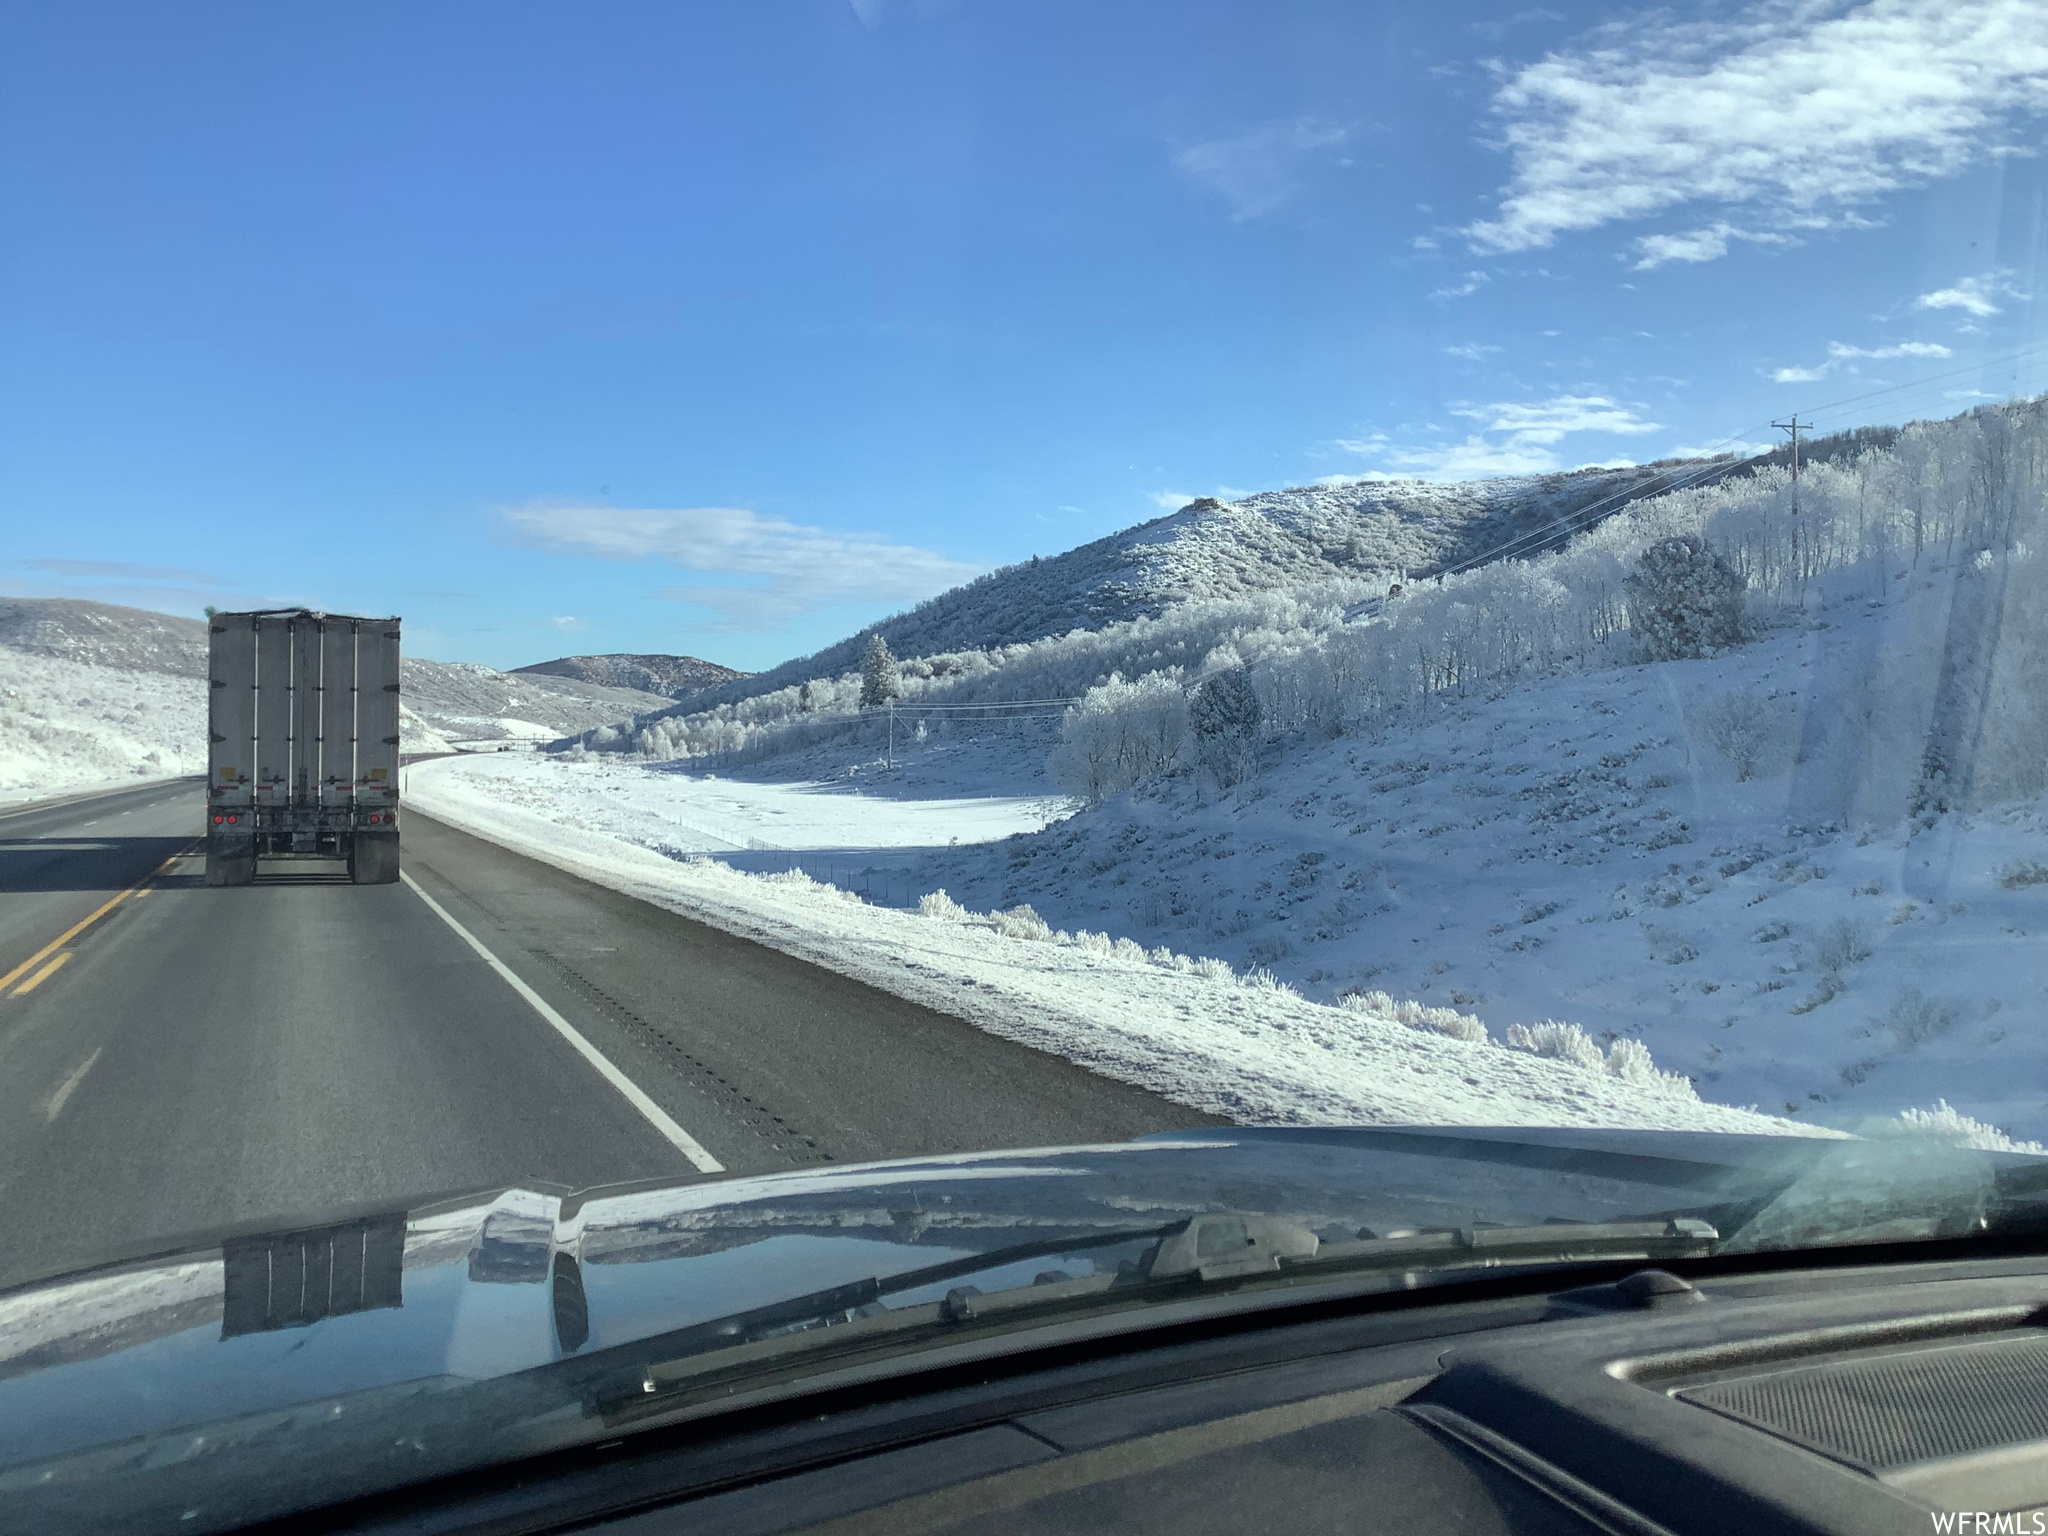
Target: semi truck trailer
column 303, row 717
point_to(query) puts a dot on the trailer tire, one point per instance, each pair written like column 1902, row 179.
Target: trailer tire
column 373, row 858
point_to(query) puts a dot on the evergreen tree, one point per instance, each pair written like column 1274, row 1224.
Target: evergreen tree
column 1684, row 600
column 1226, row 719
column 804, row 703
column 879, row 680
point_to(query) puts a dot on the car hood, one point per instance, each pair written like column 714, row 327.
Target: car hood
column 381, row 1348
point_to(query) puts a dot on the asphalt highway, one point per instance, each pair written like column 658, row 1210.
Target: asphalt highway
column 176, row 1060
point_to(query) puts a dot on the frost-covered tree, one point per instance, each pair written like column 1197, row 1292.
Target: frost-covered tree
column 806, row 702
column 1684, row 600
column 1226, row 718
column 1121, row 734
column 880, row 680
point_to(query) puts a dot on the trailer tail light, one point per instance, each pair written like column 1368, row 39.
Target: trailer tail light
column 218, row 820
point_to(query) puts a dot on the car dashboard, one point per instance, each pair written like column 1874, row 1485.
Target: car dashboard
column 1843, row 1397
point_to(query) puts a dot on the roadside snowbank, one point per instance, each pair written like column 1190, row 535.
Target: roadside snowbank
column 1237, row 1046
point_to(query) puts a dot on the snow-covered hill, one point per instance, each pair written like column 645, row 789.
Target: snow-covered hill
column 1211, row 549
column 95, row 693
column 673, row 676
column 466, row 702
column 1578, row 849
column 103, row 635
column 70, row 725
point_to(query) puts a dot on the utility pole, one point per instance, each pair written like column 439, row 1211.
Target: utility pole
column 892, row 735
column 1794, row 427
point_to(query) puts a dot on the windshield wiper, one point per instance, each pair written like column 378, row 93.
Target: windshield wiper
column 825, row 1329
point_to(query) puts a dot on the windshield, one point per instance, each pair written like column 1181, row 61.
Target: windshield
column 658, row 595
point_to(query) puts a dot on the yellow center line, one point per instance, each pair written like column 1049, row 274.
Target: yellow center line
column 82, row 924
column 43, row 975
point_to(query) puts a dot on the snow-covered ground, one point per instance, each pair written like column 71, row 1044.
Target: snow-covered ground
column 67, row 725
column 1577, row 850
column 856, row 819
column 1236, row 1045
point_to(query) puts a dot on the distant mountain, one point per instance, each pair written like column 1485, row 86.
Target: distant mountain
column 1215, row 549
column 670, row 675
column 461, row 701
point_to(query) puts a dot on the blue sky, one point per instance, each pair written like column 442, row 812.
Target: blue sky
column 725, row 328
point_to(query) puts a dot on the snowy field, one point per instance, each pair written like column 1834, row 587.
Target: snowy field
column 1192, row 1030
column 859, row 828
column 67, row 725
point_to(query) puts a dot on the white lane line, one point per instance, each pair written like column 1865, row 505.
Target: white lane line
column 652, row 1112
column 70, row 1086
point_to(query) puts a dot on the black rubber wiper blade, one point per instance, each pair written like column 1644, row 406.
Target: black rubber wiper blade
column 1204, row 1252
column 1487, row 1247
column 780, row 1317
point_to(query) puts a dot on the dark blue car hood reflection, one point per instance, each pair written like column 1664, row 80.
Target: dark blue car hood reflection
column 276, row 1371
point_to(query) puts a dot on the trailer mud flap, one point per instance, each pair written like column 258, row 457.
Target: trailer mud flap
column 230, row 861
column 373, row 858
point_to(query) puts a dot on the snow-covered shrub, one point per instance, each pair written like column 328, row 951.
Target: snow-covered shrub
column 1211, row 969
column 1684, row 600
column 1915, row 1020
column 879, row 679
column 1559, row 1041
column 1630, row 1061
column 1121, row 734
column 1131, row 950
column 1742, row 728
column 2023, row 872
column 1020, row 922
column 1841, row 945
column 937, row 904
column 1441, row 1021
column 1944, row 1124
column 1094, row 943
column 1227, row 718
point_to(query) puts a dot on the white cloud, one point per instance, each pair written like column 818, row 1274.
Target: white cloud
column 1838, row 350
column 1708, row 244
column 1840, row 353
column 1472, row 351
column 568, row 624
column 1473, row 282
column 784, row 568
column 1972, row 295
column 1549, row 420
column 1258, row 171
column 1742, row 450
column 1530, row 429
column 1799, row 113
